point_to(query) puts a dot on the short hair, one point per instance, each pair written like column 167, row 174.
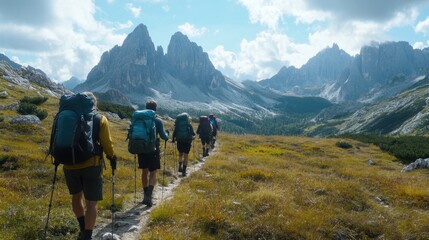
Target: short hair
column 151, row 104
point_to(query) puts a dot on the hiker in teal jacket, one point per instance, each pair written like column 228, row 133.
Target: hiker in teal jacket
column 151, row 162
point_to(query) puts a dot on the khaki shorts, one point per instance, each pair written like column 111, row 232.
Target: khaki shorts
column 88, row 180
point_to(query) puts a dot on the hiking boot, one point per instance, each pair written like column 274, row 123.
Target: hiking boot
column 80, row 236
column 204, row 152
column 149, row 196
column 87, row 235
column 184, row 171
column 145, row 196
column 207, row 152
column 180, row 167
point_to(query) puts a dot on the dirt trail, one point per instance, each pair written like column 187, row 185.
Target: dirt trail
column 130, row 222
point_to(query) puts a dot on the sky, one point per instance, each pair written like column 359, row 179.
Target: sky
column 245, row 39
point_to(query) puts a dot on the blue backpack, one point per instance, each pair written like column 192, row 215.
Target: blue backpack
column 74, row 136
column 142, row 132
column 182, row 127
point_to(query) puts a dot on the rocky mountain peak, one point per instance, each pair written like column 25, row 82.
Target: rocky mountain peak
column 191, row 64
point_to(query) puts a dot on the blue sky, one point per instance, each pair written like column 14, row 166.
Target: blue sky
column 245, row 39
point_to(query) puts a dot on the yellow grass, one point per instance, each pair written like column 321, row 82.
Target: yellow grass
column 266, row 187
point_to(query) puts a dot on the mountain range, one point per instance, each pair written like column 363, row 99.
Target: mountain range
column 330, row 94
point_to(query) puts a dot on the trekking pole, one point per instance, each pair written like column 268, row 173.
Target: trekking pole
column 112, row 208
column 135, row 179
column 163, row 173
column 198, row 152
column 50, row 201
column 193, row 152
column 174, row 158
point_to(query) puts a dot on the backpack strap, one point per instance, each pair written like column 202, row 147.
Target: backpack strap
column 96, row 134
column 53, row 134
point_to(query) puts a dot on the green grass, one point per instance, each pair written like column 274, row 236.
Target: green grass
column 255, row 187
column 26, row 177
column 295, row 188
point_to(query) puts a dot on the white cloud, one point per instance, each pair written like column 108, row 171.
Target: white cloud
column 69, row 42
column 136, row 11
column 190, row 30
column 349, row 23
column 423, row 26
column 260, row 58
column 420, row 45
column 166, row 8
column 126, row 25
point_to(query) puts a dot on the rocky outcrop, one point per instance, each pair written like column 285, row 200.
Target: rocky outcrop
column 25, row 119
column 130, row 68
column 24, row 76
column 324, row 68
column 181, row 79
column 418, row 164
column 191, row 65
column 113, row 96
column 378, row 72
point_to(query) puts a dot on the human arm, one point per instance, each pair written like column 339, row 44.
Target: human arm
column 106, row 142
column 160, row 129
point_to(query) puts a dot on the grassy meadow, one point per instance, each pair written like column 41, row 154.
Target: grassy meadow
column 26, row 176
column 254, row 187
column 262, row 187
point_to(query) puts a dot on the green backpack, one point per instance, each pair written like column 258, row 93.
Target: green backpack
column 75, row 130
column 182, row 127
column 142, row 132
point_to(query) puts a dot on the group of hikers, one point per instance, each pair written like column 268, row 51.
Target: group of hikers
column 80, row 136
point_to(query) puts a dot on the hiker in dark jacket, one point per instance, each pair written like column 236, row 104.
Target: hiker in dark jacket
column 215, row 126
column 151, row 162
column 205, row 131
column 183, row 133
column 85, row 180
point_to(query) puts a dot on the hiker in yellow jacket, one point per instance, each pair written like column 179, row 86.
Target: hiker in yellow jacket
column 85, row 179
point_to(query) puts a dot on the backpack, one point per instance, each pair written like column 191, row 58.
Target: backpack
column 75, row 130
column 205, row 127
column 183, row 132
column 142, row 132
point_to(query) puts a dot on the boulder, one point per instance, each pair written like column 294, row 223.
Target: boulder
column 3, row 94
column 418, row 164
column 25, row 119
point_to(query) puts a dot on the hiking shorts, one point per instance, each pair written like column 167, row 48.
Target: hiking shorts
column 205, row 140
column 151, row 161
column 88, row 180
column 184, row 146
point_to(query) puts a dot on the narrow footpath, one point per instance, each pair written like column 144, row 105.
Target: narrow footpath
column 132, row 221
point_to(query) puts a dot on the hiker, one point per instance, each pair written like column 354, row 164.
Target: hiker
column 184, row 134
column 149, row 160
column 215, row 126
column 205, row 131
column 84, row 175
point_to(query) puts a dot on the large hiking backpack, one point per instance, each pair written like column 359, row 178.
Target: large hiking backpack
column 182, row 127
column 205, row 127
column 142, row 132
column 75, row 130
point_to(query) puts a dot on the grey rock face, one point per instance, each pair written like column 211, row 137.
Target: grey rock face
column 190, row 64
column 130, row 68
column 24, row 76
column 324, row 68
column 378, row 72
column 418, row 164
column 25, row 119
